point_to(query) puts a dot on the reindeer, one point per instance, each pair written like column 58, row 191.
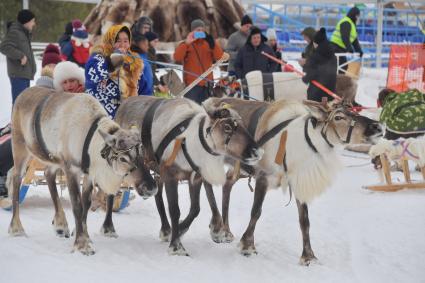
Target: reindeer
column 189, row 142
column 73, row 133
column 298, row 142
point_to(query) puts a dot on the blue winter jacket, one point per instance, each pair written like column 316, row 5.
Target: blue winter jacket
column 146, row 79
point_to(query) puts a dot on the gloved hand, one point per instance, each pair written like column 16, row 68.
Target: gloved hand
column 361, row 53
column 114, row 61
column 305, row 80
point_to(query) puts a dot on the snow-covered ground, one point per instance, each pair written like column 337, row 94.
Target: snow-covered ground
column 358, row 235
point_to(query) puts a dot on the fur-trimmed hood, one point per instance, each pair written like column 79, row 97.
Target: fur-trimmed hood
column 109, row 38
column 131, row 59
column 67, row 70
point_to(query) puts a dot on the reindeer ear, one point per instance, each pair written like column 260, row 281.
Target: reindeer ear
column 108, row 138
column 318, row 110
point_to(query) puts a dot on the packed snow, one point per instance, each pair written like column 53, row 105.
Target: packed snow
column 357, row 235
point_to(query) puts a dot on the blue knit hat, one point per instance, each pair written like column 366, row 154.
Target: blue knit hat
column 78, row 30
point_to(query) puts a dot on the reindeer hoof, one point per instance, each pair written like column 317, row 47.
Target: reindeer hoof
column 247, row 249
column 84, row 246
column 217, row 237
column 17, row 232
column 177, row 249
column 62, row 233
column 108, row 232
column 228, row 237
column 307, row 260
column 16, row 229
column 61, row 230
column 165, row 235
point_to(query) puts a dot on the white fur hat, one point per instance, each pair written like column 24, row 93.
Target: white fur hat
column 271, row 34
column 67, row 70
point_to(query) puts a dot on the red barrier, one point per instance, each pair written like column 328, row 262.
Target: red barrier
column 406, row 67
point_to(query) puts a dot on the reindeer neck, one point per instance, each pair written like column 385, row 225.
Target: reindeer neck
column 210, row 165
column 98, row 166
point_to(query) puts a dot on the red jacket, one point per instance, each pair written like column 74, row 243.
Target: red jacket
column 186, row 54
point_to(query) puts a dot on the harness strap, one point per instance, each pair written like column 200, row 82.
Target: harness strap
column 268, row 87
column 281, row 152
column 323, row 133
column 37, row 130
column 307, row 137
column 146, row 133
column 172, row 134
column 188, row 158
column 255, row 118
column 244, row 90
column 177, row 146
column 274, row 131
column 85, row 158
column 202, row 138
column 350, row 131
column 406, row 150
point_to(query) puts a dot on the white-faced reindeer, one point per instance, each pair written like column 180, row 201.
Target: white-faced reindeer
column 73, row 133
column 186, row 142
column 298, row 142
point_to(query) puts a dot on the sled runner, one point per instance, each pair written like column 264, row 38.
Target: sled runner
column 389, row 186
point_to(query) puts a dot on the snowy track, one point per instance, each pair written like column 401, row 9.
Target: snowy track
column 357, row 235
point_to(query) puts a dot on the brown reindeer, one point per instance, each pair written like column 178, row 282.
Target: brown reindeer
column 73, row 133
column 185, row 141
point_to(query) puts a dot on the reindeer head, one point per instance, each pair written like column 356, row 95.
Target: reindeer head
column 124, row 153
column 341, row 125
column 228, row 134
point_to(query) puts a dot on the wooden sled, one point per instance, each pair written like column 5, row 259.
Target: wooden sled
column 35, row 176
column 394, row 187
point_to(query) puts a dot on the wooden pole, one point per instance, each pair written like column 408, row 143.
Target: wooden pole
column 386, row 168
column 406, row 172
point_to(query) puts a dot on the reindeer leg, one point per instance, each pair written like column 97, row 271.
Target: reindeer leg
column 86, row 202
column 20, row 164
column 108, row 229
column 227, row 189
column 82, row 241
column 176, row 247
column 194, row 190
column 307, row 256
column 165, row 232
column 247, row 242
column 59, row 220
column 216, row 223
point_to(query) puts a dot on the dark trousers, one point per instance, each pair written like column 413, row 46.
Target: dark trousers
column 18, row 86
column 6, row 157
column 198, row 94
column 342, row 59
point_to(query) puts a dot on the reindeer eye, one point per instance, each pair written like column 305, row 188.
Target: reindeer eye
column 122, row 159
column 338, row 118
column 228, row 129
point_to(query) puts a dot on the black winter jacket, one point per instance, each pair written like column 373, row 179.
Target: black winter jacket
column 321, row 67
column 250, row 59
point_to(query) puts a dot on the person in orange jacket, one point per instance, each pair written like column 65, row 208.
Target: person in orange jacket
column 198, row 53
